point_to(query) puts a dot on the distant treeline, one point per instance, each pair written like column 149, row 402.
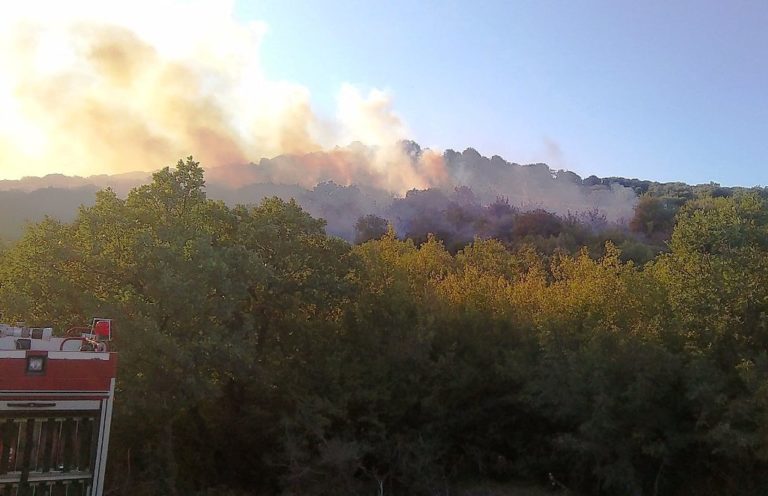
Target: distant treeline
column 551, row 210
column 259, row 355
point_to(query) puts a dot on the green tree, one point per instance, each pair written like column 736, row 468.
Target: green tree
column 654, row 217
column 369, row 227
column 718, row 294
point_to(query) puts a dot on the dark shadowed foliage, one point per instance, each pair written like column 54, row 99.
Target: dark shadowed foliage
column 369, row 227
column 260, row 355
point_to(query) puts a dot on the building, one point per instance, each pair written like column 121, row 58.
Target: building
column 56, row 396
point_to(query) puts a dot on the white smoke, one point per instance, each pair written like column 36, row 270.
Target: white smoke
column 96, row 87
column 91, row 88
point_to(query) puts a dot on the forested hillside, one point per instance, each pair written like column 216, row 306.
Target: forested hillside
column 479, row 197
column 259, row 355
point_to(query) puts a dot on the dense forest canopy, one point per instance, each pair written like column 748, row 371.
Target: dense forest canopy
column 260, row 355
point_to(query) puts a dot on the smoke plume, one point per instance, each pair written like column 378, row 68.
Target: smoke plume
column 95, row 88
column 89, row 90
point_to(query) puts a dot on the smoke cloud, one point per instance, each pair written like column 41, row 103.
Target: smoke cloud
column 90, row 90
column 95, row 88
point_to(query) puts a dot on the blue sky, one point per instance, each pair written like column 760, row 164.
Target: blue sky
column 653, row 89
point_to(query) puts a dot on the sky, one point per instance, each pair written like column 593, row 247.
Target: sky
column 667, row 91
column 654, row 89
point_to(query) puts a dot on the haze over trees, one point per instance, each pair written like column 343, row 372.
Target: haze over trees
column 259, row 355
column 472, row 196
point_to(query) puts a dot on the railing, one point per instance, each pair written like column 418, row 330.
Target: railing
column 63, row 488
column 47, row 455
